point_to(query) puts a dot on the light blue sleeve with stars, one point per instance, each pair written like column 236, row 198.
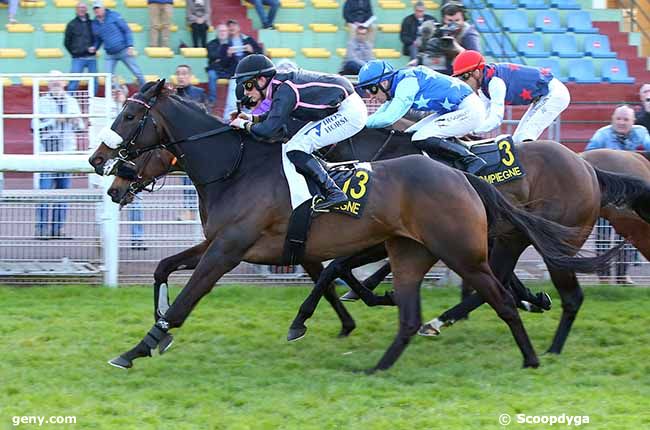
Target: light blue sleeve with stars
column 398, row 106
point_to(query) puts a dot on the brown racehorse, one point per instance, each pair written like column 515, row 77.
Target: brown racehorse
column 247, row 210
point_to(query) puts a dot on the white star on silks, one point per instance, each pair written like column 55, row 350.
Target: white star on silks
column 446, row 104
column 421, row 102
column 455, row 83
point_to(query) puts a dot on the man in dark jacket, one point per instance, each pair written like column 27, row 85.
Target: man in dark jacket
column 80, row 43
column 215, row 69
column 411, row 29
column 643, row 116
column 231, row 53
column 184, row 87
column 359, row 13
column 112, row 31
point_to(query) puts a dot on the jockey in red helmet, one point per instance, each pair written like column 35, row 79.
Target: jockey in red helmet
column 500, row 84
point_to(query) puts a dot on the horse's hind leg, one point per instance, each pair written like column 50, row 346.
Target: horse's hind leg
column 315, row 271
column 410, row 261
column 571, row 295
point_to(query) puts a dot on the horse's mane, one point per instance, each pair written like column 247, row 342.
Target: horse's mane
column 171, row 93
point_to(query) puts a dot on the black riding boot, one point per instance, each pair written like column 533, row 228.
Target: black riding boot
column 449, row 149
column 309, row 167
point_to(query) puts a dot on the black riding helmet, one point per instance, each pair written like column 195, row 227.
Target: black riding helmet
column 254, row 66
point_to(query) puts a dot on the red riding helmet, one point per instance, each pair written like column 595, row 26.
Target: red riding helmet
column 468, row 61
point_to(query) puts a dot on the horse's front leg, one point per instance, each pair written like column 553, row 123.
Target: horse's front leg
column 221, row 256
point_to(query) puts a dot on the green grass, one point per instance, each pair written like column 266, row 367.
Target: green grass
column 231, row 367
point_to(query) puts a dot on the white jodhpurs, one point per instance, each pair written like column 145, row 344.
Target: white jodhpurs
column 468, row 117
column 346, row 122
column 542, row 113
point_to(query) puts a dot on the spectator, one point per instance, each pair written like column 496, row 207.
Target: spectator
column 111, row 30
column 215, row 69
column 411, row 29
column 266, row 20
column 55, row 135
column 80, row 43
column 237, row 47
column 359, row 13
column 453, row 13
column 13, row 8
column 160, row 19
column 358, row 53
column 643, row 116
column 624, row 135
column 198, row 18
column 184, row 87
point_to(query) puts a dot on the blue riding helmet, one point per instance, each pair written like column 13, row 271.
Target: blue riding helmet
column 374, row 72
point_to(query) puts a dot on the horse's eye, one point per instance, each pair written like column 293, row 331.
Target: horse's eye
column 129, row 117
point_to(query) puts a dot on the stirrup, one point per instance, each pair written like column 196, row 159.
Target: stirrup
column 316, row 200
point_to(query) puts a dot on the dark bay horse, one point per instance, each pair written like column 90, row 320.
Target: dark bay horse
column 558, row 186
column 247, row 211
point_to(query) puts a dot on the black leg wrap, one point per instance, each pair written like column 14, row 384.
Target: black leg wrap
column 154, row 336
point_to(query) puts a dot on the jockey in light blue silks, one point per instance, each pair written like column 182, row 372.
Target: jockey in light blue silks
column 455, row 110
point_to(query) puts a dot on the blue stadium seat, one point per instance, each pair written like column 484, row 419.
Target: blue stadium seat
column 565, row 46
column 580, row 22
column 485, row 21
column 548, row 21
column 499, row 46
column 502, row 4
column 597, row 46
column 565, row 4
column 553, row 66
column 531, row 45
column 615, row 71
column 583, row 72
column 533, row 4
column 474, row 4
column 516, row 21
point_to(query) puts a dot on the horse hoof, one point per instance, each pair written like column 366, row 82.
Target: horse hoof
column 428, row 330
column 552, row 351
column 345, row 331
column 121, row 363
column 350, row 296
column 165, row 343
column 531, row 365
column 296, row 334
column 545, row 301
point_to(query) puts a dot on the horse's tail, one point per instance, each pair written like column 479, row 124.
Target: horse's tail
column 624, row 191
column 546, row 236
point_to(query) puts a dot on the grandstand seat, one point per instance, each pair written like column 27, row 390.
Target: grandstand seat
column 383, row 53
column 390, row 28
column 565, row 4
column 502, row 4
column 148, row 78
column 615, row 71
column 65, row 3
column 32, row 4
column 597, row 46
column 20, row 28
column 135, row 27
column 194, row 52
column 516, row 21
column 289, row 28
column 474, row 4
column 53, row 28
column 48, row 53
column 531, row 45
column 499, row 46
column 580, row 22
column 316, row 52
column 392, row 5
column 194, row 80
column 6, row 82
column 12, row 53
column 281, row 52
column 325, row 4
column 181, row 4
column 286, row 5
column 485, row 21
column 158, row 52
column 552, row 65
column 323, row 28
column 533, row 4
column 583, row 72
column 28, row 82
column 565, row 46
column 549, row 22
column 341, row 52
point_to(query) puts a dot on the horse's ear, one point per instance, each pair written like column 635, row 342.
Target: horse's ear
column 159, row 86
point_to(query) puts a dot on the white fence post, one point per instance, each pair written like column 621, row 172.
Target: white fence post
column 110, row 220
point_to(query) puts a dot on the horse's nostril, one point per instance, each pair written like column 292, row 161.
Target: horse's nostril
column 97, row 161
column 113, row 192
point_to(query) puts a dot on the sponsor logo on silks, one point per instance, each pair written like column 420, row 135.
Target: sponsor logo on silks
column 356, row 185
column 508, row 168
column 316, row 127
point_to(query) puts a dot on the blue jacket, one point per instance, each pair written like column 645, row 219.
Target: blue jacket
column 422, row 89
column 114, row 33
column 524, row 84
column 606, row 138
column 192, row 93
